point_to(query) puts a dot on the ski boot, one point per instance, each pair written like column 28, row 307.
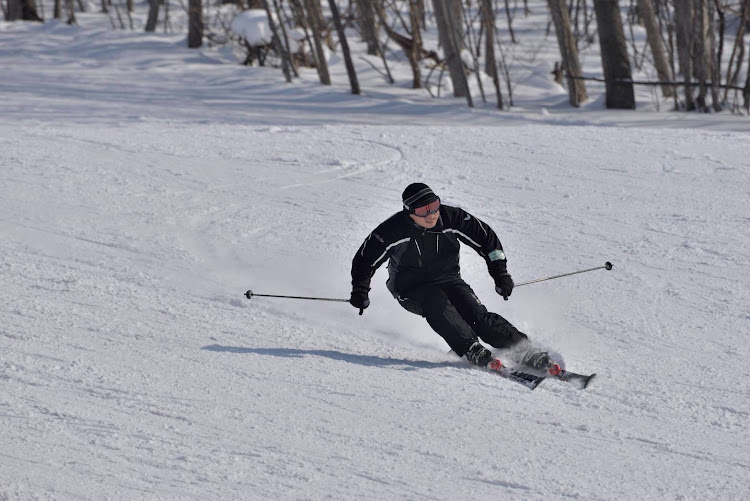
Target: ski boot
column 479, row 355
column 540, row 361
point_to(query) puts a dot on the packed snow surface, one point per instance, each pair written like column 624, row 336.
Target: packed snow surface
column 144, row 188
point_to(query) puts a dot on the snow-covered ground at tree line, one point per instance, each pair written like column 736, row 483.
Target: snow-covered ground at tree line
column 144, row 188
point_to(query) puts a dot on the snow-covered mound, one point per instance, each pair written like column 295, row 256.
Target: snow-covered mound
column 252, row 25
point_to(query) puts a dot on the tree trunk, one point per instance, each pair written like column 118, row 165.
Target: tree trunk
column 286, row 37
column 276, row 42
column 738, row 49
column 195, row 24
column 510, row 22
column 323, row 24
column 368, row 26
column 452, row 47
column 569, row 52
column 153, row 15
column 456, row 11
column 488, row 21
column 653, row 35
column 320, row 64
column 713, row 57
column 415, row 54
column 71, row 13
column 15, row 10
column 615, row 61
column 22, row 10
column 700, row 63
column 684, row 33
column 30, row 12
column 344, row 47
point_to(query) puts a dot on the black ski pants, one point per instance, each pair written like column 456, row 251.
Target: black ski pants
column 455, row 312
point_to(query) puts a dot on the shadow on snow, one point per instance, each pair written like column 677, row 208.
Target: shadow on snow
column 366, row 360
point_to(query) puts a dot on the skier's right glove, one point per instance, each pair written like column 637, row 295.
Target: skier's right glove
column 360, row 299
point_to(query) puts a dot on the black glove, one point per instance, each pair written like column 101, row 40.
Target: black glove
column 504, row 285
column 503, row 281
column 360, row 299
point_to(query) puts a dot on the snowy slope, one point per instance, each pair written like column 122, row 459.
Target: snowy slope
column 132, row 367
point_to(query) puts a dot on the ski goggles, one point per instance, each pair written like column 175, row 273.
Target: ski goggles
column 425, row 210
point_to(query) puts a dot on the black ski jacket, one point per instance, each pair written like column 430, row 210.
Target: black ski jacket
column 421, row 256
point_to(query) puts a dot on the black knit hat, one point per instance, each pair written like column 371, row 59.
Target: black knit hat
column 417, row 195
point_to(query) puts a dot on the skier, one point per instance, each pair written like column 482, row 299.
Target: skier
column 421, row 243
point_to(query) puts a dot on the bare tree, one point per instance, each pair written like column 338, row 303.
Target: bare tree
column 488, row 21
column 344, row 47
column 284, row 33
column 412, row 46
column 615, row 60
column 684, row 33
column 195, row 24
column 738, row 49
column 704, row 55
column 701, row 70
column 713, row 55
column 653, row 36
column 153, row 15
column 368, row 25
column 22, row 10
column 509, row 17
column 415, row 54
column 452, row 45
column 569, row 52
column 71, row 12
column 320, row 60
column 276, row 42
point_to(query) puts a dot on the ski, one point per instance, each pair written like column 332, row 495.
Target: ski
column 580, row 381
column 531, row 377
column 530, row 381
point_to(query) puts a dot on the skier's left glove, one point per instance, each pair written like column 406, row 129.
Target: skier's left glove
column 504, row 285
column 503, row 280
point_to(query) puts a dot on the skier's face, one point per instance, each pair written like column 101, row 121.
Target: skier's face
column 428, row 222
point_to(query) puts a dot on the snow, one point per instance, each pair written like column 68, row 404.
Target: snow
column 145, row 187
column 252, row 25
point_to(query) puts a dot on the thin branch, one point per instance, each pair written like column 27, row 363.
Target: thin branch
column 642, row 82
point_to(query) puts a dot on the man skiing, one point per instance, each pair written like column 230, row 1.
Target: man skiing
column 421, row 243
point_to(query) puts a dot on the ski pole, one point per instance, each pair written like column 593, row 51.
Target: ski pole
column 249, row 294
column 607, row 266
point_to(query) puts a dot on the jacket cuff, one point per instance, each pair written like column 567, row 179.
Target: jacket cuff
column 497, row 268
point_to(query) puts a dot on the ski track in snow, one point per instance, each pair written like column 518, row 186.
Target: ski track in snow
column 132, row 367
